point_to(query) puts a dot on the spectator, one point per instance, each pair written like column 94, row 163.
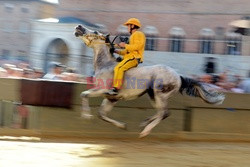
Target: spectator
column 38, row 73
column 17, row 72
column 3, row 72
column 206, row 78
column 236, row 88
column 9, row 69
column 245, row 84
column 70, row 75
column 28, row 73
column 210, row 66
column 55, row 72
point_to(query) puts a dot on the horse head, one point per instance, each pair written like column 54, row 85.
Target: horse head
column 90, row 37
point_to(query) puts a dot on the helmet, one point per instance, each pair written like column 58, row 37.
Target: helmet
column 133, row 21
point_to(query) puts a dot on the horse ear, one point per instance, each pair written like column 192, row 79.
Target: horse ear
column 107, row 40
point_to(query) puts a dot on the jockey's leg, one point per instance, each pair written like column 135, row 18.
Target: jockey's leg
column 119, row 70
column 107, row 106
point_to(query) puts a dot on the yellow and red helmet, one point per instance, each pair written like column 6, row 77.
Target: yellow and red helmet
column 133, row 21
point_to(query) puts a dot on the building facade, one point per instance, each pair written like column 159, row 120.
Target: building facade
column 187, row 26
column 176, row 26
column 15, row 26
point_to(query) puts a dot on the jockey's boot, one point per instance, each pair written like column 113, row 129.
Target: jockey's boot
column 113, row 91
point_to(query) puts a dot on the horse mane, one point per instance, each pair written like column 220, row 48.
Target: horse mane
column 102, row 56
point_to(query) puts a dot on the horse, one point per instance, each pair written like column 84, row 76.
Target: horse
column 160, row 83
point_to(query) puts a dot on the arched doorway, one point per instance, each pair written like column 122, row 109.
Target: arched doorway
column 57, row 51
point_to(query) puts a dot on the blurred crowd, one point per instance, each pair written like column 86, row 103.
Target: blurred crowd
column 225, row 82
column 220, row 81
column 57, row 71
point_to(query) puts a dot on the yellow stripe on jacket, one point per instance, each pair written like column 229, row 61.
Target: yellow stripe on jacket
column 135, row 48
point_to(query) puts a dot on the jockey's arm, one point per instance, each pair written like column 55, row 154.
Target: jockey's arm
column 121, row 52
column 138, row 42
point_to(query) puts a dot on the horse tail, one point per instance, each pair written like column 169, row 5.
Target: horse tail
column 199, row 89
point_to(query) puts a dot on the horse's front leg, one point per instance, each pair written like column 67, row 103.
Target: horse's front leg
column 106, row 107
column 86, row 112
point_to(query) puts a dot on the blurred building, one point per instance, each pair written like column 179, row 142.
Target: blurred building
column 53, row 40
column 43, row 31
column 176, row 26
column 15, row 26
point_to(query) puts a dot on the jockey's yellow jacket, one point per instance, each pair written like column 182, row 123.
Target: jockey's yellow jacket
column 132, row 52
column 136, row 46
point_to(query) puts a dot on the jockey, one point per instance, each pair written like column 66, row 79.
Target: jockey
column 132, row 53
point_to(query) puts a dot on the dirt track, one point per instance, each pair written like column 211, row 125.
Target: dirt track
column 111, row 153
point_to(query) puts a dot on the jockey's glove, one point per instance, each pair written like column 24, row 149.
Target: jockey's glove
column 118, row 59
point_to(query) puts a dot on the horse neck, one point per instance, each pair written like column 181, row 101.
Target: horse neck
column 102, row 57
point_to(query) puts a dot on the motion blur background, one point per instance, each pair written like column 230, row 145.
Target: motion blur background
column 43, row 70
column 181, row 34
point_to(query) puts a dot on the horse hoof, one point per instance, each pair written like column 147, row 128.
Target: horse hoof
column 87, row 116
column 84, row 94
column 144, row 134
column 122, row 126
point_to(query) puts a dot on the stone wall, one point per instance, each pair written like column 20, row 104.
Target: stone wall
column 190, row 119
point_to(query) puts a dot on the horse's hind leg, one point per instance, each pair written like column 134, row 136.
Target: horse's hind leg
column 150, row 119
column 162, row 112
column 153, row 123
column 107, row 106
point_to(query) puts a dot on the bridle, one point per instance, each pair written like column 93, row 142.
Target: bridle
column 95, row 37
column 105, row 40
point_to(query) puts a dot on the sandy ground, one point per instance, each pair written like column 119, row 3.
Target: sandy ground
column 113, row 153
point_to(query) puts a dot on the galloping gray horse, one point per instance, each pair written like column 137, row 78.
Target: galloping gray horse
column 158, row 81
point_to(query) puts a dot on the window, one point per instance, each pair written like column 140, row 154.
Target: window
column 5, row 54
column 8, row 7
column 176, row 42
column 151, row 37
column 206, row 46
column 151, row 43
column 206, row 41
column 233, row 44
